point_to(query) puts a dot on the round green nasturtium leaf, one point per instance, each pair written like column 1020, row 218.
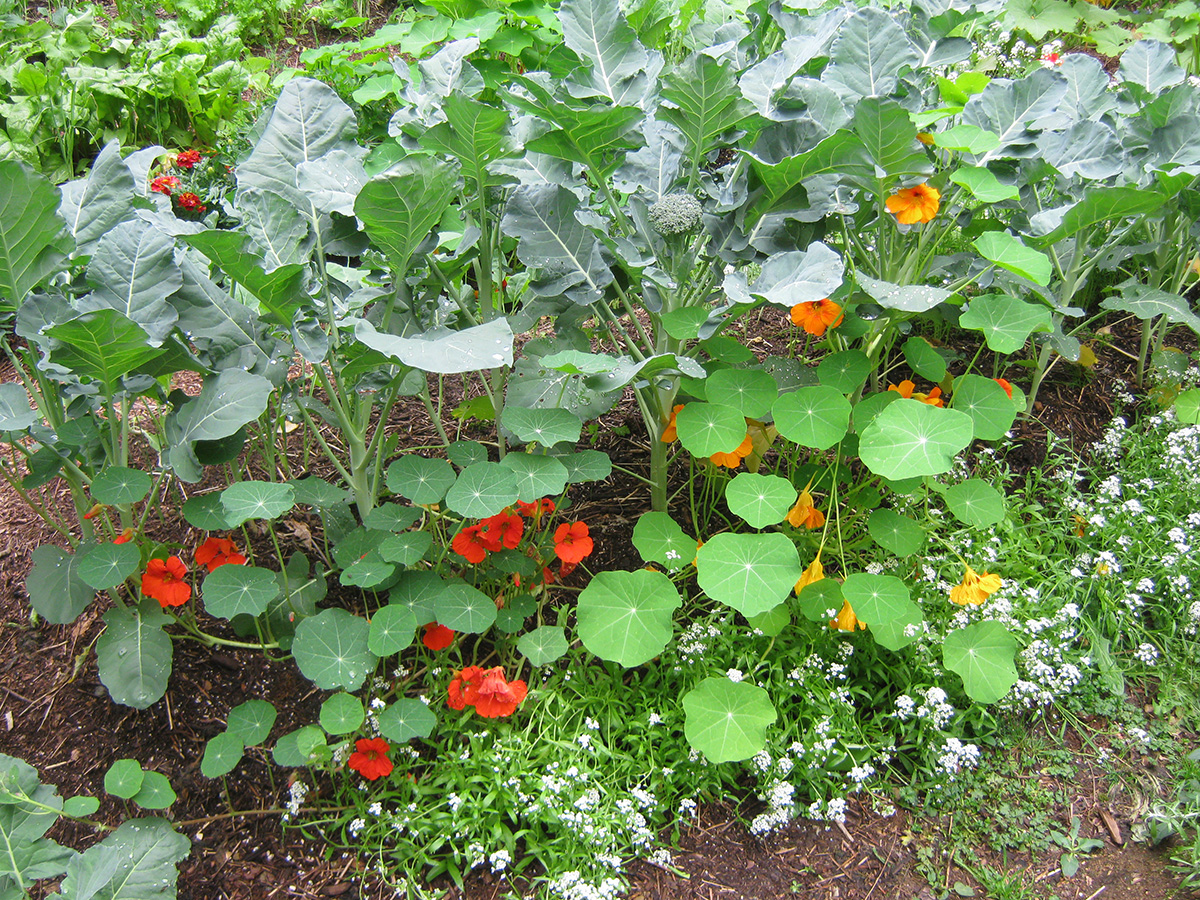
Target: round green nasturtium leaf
column 895, row 533
column 821, row 600
column 725, row 720
column 844, row 371
column 481, row 490
column 295, row 748
column 537, row 476
column 544, row 425
column 406, row 719
column 985, row 401
column 124, row 778
column 466, row 453
column 543, row 645
column 983, row 656
column 816, row 417
column 119, row 485
column 248, row 500
column 252, row 721
column 626, row 617
column 750, row 572
column 465, row 608
column 870, row 406
column 393, row 628
column 910, row 439
column 884, row 604
column 134, row 655
column 331, row 650
column 684, row 324
column 357, row 544
column 231, row 590
column 975, row 503
column 55, row 587
column 1006, row 322
column 419, row 592
column 586, row 465
column 392, row 517
column 923, row 359
column 368, row 573
column 156, row 792
column 708, row 428
column 1187, row 407
column 750, row 391
column 405, row 549
column 761, row 500
column 222, row 753
column 511, row 618
column 423, row 481
column 206, row 512
column 80, row 807
column 773, row 621
column 342, row 713
column 105, row 566
column 660, row 539
column 318, row 493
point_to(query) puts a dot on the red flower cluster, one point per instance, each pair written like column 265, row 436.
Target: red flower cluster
column 165, row 580
column 188, row 200
column 216, row 552
column 185, row 159
column 495, row 533
column 488, row 691
column 165, row 184
column 370, row 758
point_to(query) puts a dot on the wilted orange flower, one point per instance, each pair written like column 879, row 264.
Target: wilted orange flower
column 1007, row 387
column 669, row 435
column 805, row 513
column 975, row 588
column 571, row 542
column 216, row 552
column 814, row 316
column 734, row 458
column 437, row 637
column 165, row 581
column 914, row 204
column 846, row 619
column 814, row 573
column 905, row 390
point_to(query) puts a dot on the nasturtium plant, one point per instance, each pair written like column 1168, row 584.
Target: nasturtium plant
column 626, row 616
column 727, row 720
column 752, row 573
column 983, row 654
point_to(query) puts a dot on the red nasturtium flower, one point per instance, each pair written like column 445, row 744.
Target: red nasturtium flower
column 456, row 697
column 165, row 184
column 216, row 552
column 370, row 758
column 1007, row 387
column 437, row 637
column 187, row 158
column 493, row 696
column 814, row 316
column 165, row 580
column 470, row 544
column 536, row 509
column 502, row 530
column 915, row 204
column 571, row 542
column 124, row 537
column 188, row 200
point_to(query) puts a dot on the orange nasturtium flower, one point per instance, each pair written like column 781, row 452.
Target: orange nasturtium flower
column 216, row 552
column 805, row 512
column 905, row 390
column 571, row 542
column 165, row 580
column 814, row 573
column 814, row 316
column 925, row 138
column 669, row 435
column 846, row 619
column 734, row 458
column 124, row 537
column 915, row 204
column 488, row 691
column 437, row 637
column 94, row 511
column 502, row 530
column 1007, row 387
column 370, row 758
column 536, row 509
column 471, row 544
column 975, row 588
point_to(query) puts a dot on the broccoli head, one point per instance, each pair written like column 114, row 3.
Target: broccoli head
column 675, row 214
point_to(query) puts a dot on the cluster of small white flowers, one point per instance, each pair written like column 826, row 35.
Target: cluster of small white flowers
column 500, row 860
column 375, row 809
column 297, row 791
column 905, row 706
column 762, row 760
column 1146, row 653
column 935, row 708
column 781, row 808
column 1141, row 736
column 660, row 857
column 687, row 807
column 956, row 756
column 573, row 886
column 735, row 675
column 1109, row 446
column 356, row 826
column 692, row 645
column 833, row 810
column 861, row 774
column 1046, row 664
column 655, row 719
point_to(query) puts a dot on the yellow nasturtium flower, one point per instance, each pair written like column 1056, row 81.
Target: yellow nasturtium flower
column 815, row 572
column 915, row 204
column 975, row 588
column 846, row 619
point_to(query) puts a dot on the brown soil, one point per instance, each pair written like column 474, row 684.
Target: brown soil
column 55, row 714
